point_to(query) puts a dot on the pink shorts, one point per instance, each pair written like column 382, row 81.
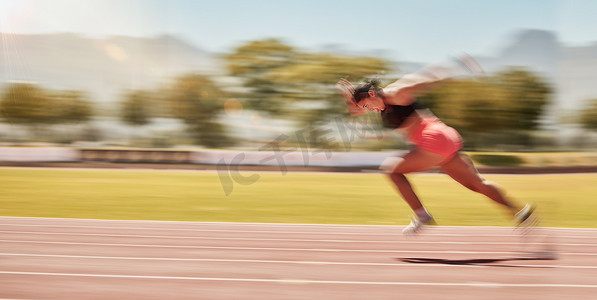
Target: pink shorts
column 434, row 136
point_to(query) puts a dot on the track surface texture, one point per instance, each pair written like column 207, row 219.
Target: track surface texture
column 102, row 259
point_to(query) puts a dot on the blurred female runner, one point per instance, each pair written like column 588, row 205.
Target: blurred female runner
column 437, row 145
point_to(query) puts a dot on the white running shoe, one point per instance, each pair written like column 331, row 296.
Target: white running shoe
column 526, row 217
column 416, row 225
column 527, row 221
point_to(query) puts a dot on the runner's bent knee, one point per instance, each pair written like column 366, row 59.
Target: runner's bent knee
column 389, row 164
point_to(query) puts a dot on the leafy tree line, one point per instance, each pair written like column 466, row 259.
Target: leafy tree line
column 287, row 83
column 588, row 116
column 194, row 99
column 504, row 108
column 29, row 105
column 279, row 78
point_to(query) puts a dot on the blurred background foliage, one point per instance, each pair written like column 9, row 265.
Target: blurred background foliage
column 279, row 82
column 503, row 108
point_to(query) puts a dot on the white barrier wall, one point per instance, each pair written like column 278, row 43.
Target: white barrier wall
column 296, row 158
column 35, row 154
column 228, row 157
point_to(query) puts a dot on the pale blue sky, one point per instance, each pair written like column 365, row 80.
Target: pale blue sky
column 413, row 30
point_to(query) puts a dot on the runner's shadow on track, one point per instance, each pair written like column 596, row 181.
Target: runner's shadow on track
column 487, row 262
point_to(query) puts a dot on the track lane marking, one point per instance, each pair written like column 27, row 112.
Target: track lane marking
column 307, row 281
column 288, row 240
column 280, row 249
column 398, row 230
column 298, row 262
column 257, row 224
column 247, row 248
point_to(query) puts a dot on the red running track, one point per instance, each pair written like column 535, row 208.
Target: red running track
column 102, row 259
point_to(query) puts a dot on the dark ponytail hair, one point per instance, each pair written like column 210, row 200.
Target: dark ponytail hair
column 362, row 91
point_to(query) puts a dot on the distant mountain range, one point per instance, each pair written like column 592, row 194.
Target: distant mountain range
column 102, row 67
column 106, row 67
column 571, row 70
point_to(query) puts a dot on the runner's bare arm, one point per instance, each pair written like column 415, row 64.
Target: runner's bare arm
column 404, row 90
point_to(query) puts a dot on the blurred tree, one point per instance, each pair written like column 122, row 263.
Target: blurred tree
column 254, row 62
column 27, row 104
column 471, row 106
column 311, row 80
column 72, row 107
column 135, row 109
column 278, row 76
column 197, row 101
column 504, row 108
column 588, row 117
column 294, row 85
column 510, row 100
column 527, row 96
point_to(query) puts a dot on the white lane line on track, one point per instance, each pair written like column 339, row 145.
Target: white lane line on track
column 278, row 249
column 292, row 240
column 398, row 230
column 59, row 221
column 259, row 261
column 397, row 233
column 254, row 248
column 307, row 281
column 244, row 224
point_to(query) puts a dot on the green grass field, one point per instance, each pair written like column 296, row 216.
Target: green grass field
column 563, row 200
